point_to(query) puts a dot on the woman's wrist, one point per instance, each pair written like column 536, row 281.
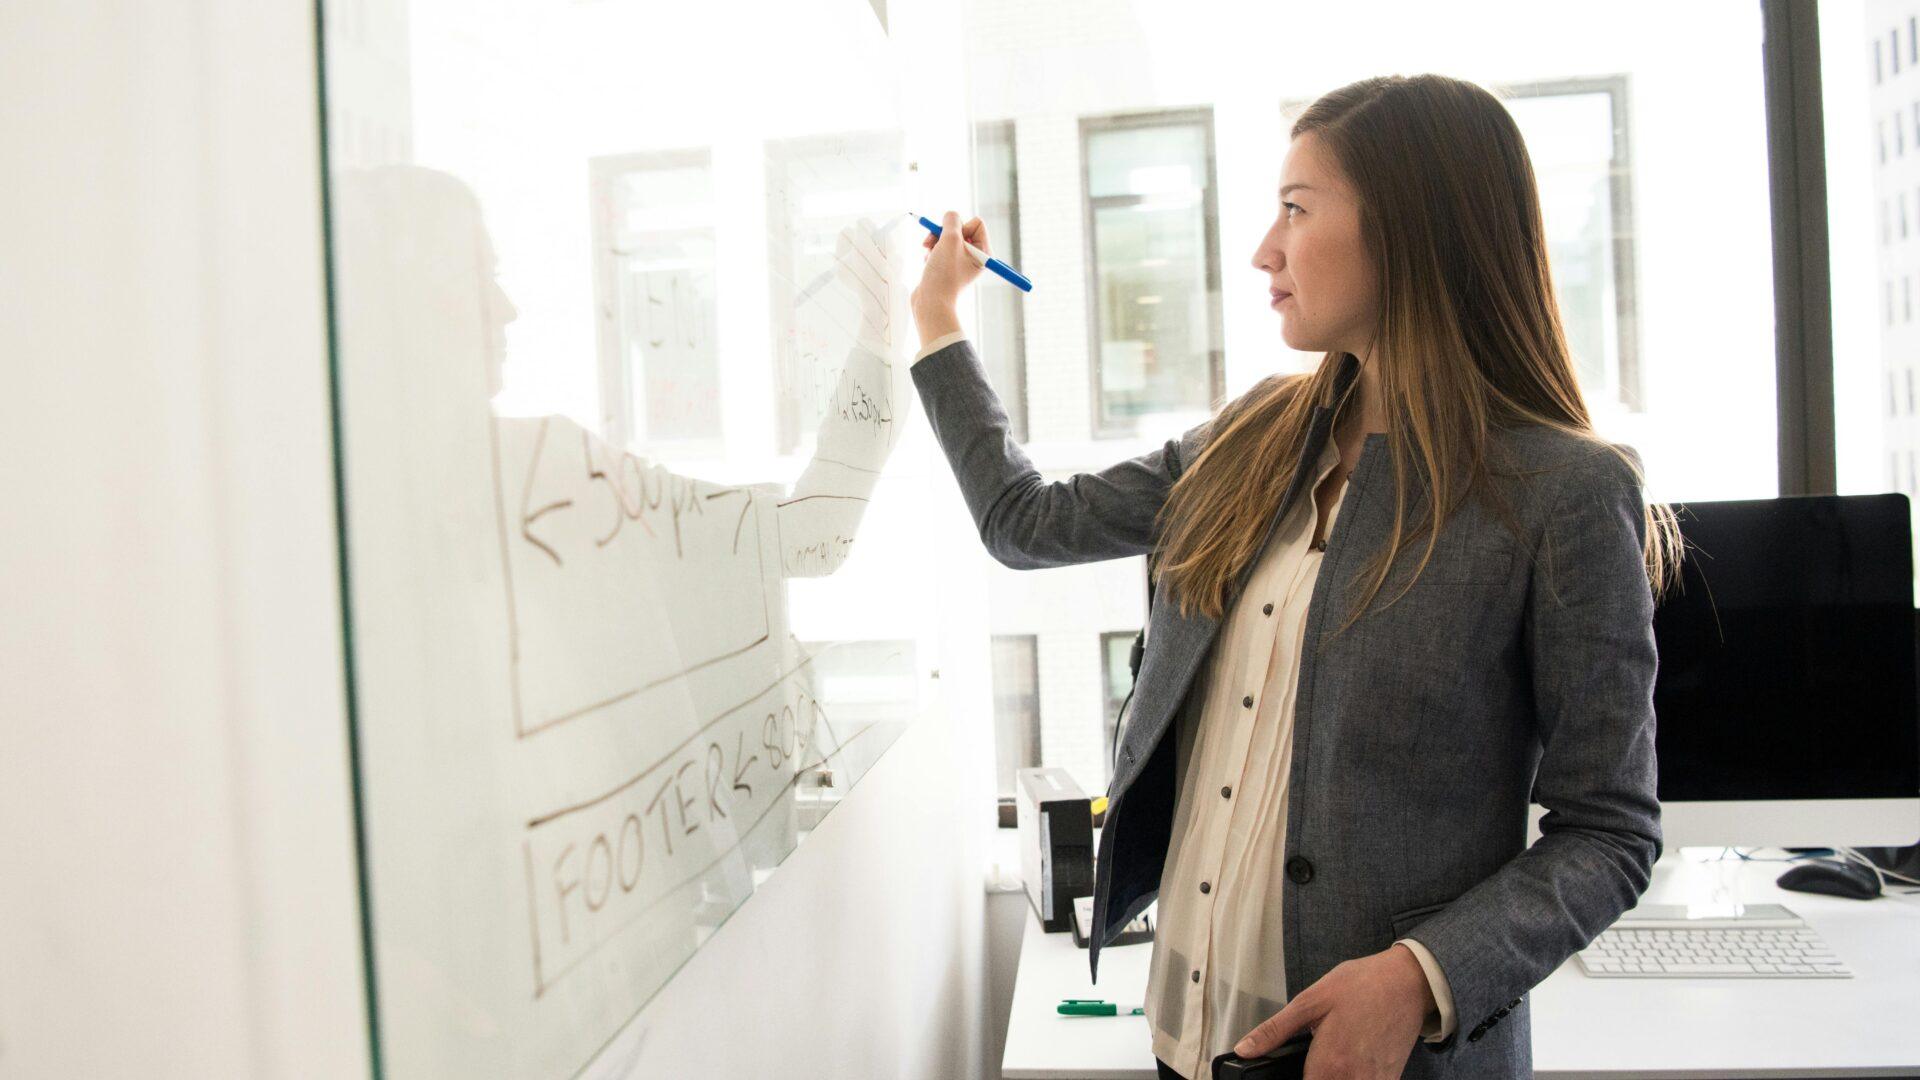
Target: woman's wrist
column 935, row 321
column 1419, row 989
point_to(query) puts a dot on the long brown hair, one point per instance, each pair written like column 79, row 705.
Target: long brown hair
column 1469, row 341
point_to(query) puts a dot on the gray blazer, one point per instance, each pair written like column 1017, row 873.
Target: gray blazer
column 1420, row 733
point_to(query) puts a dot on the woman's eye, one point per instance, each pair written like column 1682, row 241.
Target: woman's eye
column 1289, row 208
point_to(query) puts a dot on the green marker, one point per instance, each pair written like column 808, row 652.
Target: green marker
column 1096, row 1007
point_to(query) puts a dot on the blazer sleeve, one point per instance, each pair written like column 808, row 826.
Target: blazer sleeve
column 1024, row 521
column 1588, row 637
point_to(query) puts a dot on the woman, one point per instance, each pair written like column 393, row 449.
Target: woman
column 1399, row 596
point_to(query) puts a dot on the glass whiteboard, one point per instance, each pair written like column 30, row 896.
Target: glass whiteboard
column 620, row 343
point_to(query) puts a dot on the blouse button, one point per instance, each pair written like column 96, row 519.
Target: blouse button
column 1205, row 888
column 1226, row 792
column 1267, row 610
column 1196, row 974
column 1247, row 701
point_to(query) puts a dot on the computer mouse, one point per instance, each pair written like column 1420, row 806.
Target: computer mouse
column 1832, row 877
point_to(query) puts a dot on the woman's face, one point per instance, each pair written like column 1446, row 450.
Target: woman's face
column 1321, row 280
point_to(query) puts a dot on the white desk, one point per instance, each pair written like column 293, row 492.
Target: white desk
column 1868, row 1025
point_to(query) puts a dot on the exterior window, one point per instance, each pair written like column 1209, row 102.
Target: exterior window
column 1003, row 332
column 1154, row 260
column 1016, row 704
column 1116, row 675
column 1577, row 132
column 653, row 250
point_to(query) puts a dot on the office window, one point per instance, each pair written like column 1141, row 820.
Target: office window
column 1116, row 676
column 817, row 186
column 1906, row 299
column 1894, row 37
column 1909, row 375
column 1889, row 303
column 1003, row 332
column 1903, row 215
column 653, row 249
column 1154, row 266
column 1016, row 706
column 1916, row 123
column 1578, row 135
column 1890, row 410
column 1876, row 63
column 1883, row 141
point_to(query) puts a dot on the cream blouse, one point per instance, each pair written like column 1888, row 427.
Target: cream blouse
column 1219, row 966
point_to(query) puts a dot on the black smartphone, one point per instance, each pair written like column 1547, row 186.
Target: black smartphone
column 1289, row 1062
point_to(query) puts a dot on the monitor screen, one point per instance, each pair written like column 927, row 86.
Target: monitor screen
column 1787, row 652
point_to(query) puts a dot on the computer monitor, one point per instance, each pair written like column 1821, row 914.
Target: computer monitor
column 1786, row 693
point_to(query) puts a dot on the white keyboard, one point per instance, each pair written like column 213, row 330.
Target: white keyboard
column 1772, row 943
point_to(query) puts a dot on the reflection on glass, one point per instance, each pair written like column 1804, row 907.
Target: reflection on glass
column 586, row 728
column 588, row 722
column 1149, row 198
column 654, row 235
column 816, row 187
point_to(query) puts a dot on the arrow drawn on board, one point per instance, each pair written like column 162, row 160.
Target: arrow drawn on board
column 527, row 518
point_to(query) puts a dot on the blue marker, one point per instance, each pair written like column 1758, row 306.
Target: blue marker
column 986, row 260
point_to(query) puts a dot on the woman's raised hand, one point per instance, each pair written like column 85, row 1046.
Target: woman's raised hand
column 949, row 270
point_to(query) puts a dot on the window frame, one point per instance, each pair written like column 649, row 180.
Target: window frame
column 1620, row 210
column 1034, row 745
column 1014, row 397
column 1089, row 126
column 1802, row 270
column 1110, row 706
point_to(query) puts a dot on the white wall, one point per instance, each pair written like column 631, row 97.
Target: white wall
column 178, row 891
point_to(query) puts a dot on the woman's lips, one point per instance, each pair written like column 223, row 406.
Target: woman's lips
column 1278, row 297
